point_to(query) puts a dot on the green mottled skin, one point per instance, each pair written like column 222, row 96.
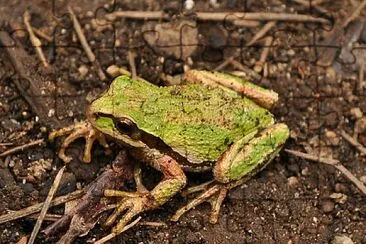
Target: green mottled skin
column 194, row 120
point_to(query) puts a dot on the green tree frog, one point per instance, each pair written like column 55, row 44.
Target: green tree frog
column 213, row 121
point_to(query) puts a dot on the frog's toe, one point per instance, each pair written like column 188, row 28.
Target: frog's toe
column 214, row 194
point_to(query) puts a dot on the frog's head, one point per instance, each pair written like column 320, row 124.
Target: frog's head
column 110, row 113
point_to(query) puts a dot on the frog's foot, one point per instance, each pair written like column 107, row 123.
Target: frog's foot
column 80, row 130
column 214, row 193
column 132, row 204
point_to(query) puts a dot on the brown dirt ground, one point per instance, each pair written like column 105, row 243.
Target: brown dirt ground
column 288, row 202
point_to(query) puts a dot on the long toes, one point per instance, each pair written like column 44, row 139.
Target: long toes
column 198, row 188
column 122, row 207
column 137, row 208
column 198, row 200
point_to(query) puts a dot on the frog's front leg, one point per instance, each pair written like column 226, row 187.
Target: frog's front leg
column 133, row 203
column 79, row 130
column 244, row 158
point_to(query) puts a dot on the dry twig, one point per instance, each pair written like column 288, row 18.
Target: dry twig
column 354, row 142
column 262, row 59
column 334, row 163
column 355, row 13
column 236, row 17
column 35, row 41
column 42, row 34
column 46, row 205
column 131, row 60
column 361, row 77
column 85, row 44
column 262, row 32
column 13, row 215
column 22, row 147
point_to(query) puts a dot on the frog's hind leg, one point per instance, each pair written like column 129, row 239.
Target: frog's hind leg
column 74, row 132
column 133, row 203
column 263, row 97
column 243, row 159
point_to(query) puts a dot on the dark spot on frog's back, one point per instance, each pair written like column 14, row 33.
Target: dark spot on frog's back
column 176, row 91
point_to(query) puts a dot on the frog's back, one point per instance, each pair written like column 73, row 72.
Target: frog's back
column 196, row 121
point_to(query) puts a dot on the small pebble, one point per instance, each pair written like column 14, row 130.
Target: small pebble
column 342, row 239
column 327, row 206
column 356, row 113
column 51, row 112
column 339, row 197
column 83, row 70
column 292, row 181
column 342, row 188
column 305, row 171
column 188, row 4
column 333, row 138
column 363, row 179
column 291, row 52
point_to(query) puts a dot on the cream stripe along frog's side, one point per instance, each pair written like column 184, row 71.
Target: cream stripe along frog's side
column 214, row 121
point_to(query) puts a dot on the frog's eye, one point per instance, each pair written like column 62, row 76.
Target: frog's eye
column 127, row 127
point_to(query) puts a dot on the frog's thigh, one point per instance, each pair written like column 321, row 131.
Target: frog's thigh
column 246, row 157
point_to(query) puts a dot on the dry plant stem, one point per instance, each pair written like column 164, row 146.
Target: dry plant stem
column 262, row 32
column 334, row 163
column 262, row 59
column 355, row 13
column 112, row 235
column 85, row 44
column 225, row 63
column 131, row 60
column 42, row 35
column 37, row 207
column 354, row 142
column 21, row 148
column 35, row 41
column 220, row 16
column 46, row 205
column 361, row 77
column 48, row 217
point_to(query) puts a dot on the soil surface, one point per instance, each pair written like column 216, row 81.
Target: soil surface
column 291, row 201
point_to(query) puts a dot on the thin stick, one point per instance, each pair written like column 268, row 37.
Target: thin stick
column 152, row 224
column 42, row 34
column 355, row 13
column 35, row 41
column 262, row 32
column 22, row 147
column 220, row 16
column 361, row 77
column 262, row 59
column 85, row 44
column 354, row 142
column 37, row 207
column 131, row 60
column 46, row 205
column 225, row 63
column 334, row 163
column 112, row 235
